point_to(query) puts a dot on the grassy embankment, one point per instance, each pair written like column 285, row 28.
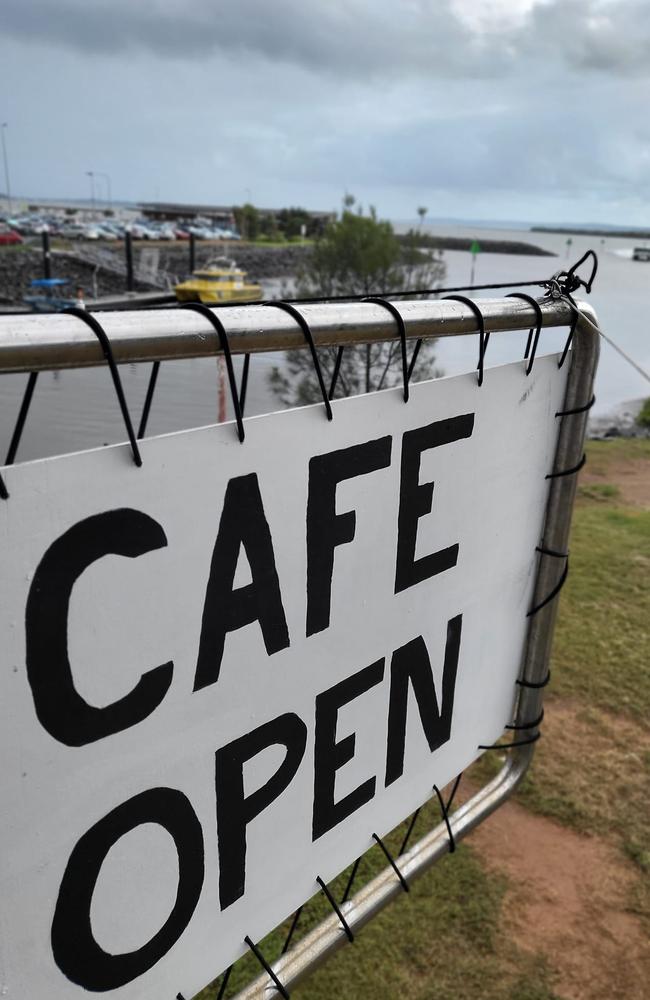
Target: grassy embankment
column 450, row 935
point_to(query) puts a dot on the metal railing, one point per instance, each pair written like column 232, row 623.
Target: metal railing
column 33, row 343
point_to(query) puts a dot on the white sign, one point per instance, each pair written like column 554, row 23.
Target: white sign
column 224, row 671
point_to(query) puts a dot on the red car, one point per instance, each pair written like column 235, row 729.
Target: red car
column 9, row 235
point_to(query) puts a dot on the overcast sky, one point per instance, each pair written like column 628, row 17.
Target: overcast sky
column 479, row 109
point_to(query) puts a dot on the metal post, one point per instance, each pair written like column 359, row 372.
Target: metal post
column 192, row 252
column 47, row 258
column 128, row 251
column 6, row 163
column 91, row 174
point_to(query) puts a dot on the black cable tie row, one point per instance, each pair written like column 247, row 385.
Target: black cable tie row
column 391, row 862
column 304, row 326
column 148, row 399
column 353, row 875
column 335, row 906
column 532, row 342
column 527, row 725
column 243, row 387
column 292, row 930
column 483, row 336
column 577, row 409
column 554, row 592
column 335, row 373
column 567, row 472
column 22, row 417
column 534, row 685
column 510, row 746
column 90, row 320
column 401, row 329
column 267, row 968
column 214, row 320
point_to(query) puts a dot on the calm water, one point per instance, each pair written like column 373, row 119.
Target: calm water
column 77, row 409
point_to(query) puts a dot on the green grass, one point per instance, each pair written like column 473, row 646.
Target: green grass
column 591, row 772
column 444, row 938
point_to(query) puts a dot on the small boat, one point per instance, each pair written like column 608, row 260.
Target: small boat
column 50, row 300
column 220, row 281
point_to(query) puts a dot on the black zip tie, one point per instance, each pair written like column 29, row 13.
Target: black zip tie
column 554, row 592
column 510, row 746
column 179, row 996
column 527, row 725
column 22, row 417
column 389, row 858
column 572, row 330
column 337, row 909
column 242, row 392
column 551, row 552
column 148, row 399
column 4, row 493
column 484, row 337
column 304, row 326
column 100, row 333
column 267, row 968
column 407, row 835
column 353, row 875
column 401, row 330
column 535, row 685
column 567, row 472
column 414, row 357
column 532, row 342
column 203, row 310
column 224, row 982
column 577, row 409
column 445, row 816
column 335, row 373
column 292, row 930
column 573, row 277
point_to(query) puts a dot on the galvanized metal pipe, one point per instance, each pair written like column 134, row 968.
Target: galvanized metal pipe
column 329, row 936
column 40, row 342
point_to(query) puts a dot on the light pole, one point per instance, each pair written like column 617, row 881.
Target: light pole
column 91, row 174
column 108, row 186
column 6, row 163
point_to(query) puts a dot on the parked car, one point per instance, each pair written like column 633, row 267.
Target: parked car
column 9, row 235
column 641, row 253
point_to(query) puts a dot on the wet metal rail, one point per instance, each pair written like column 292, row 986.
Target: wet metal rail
column 42, row 342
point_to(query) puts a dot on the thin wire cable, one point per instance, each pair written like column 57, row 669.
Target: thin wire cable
column 637, row 367
column 148, row 399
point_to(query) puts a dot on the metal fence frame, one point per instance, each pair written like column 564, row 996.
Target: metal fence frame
column 33, row 343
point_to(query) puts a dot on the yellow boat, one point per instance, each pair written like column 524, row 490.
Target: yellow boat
column 219, row 281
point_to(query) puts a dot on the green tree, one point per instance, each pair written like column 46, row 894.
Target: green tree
column 358, row 255
column 248, row 221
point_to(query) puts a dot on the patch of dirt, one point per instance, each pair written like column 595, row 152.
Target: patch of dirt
column 568, row 900
column 630, row 475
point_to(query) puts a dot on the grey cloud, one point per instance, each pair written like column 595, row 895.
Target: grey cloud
column 356, row 38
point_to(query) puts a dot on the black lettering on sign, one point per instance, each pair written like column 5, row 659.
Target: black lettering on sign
column 243, row 522
column 415, row 501
column 411, row 664
column 235, row 810
column 330, row 755
column 59, row 707
column 325, row 528
column 75, row 950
